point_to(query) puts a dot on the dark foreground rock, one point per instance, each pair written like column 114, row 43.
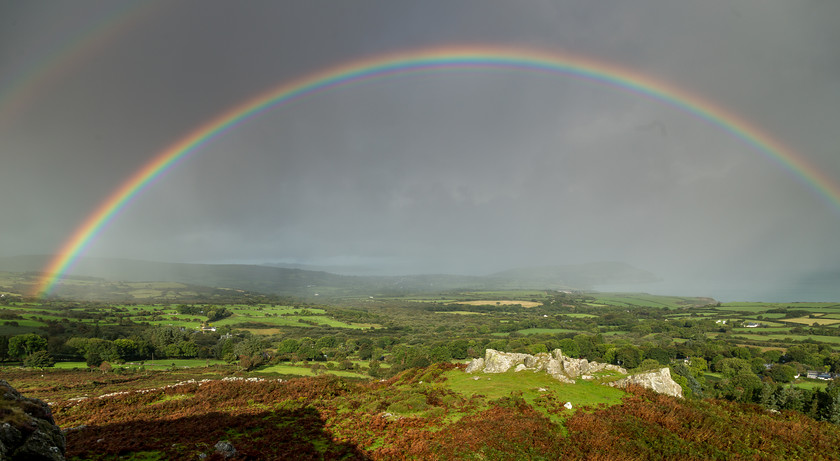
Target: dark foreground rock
column 27, row 429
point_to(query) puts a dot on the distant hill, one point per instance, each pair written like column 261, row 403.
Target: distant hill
column 300, row 282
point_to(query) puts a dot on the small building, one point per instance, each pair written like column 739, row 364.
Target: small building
column 815, row 374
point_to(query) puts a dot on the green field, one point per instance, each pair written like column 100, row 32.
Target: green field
column 647, row 300
column 759, row 329
column 546, row 331
column 791, row 337
column 497, row 385
column 31, row 317
column 460, row 312
column 150, row 364
column 811, row 384
column 524, row 295
column 760, row 307
column 307, row 371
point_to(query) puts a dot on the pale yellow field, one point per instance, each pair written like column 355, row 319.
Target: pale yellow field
column 501, row 302
column 819, row 321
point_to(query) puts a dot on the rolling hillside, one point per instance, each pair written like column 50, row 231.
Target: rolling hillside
column 299, row 282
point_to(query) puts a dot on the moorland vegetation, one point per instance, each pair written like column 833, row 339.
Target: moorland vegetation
column 380, row 375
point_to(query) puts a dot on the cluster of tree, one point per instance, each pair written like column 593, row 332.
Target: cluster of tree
column 158, row 342
column 213, row 313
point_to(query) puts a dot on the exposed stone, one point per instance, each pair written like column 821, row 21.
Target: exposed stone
column 537, row 362
column 225, row 449
column 659, row 381
column 554, row 367
column 567, row 369
column 27, row 428
column 568, row 405
column 475, row 365
column 500, row 362
column 563, row 379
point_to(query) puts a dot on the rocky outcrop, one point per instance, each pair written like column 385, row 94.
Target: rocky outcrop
column 562, row 368
column 567, row 369
column 27, row 429
column 500, row 363
column 658, row 380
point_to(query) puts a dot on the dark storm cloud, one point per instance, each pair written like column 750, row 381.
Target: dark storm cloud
column 449, row 172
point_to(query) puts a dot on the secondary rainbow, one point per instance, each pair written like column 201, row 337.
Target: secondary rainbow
column 33, row 79
column 433, row 60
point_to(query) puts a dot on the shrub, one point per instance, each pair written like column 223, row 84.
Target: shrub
column 39, row 359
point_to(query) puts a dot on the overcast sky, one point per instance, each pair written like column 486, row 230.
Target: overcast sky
column 455, row 172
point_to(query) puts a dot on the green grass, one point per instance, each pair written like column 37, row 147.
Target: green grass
column 460, row 312
column 744, row 307
column 150, row 364
column 760, row 329
column 760, row 307
column 306, row 371
column 292, row 321
column 70, row 365
column 546, row 331
column 25, row 322
column 167, row 398
column 189, row 324
column 525, row 295
column 497, row 385
column 811, row 384
column 647, row 300
column 181, row 363
column 167, row 315
column 790, row 337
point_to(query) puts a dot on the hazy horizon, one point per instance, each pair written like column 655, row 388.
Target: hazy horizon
column 453, row 172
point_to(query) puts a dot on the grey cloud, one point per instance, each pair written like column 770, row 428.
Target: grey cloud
column 466, row 172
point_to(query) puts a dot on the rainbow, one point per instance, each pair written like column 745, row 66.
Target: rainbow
column 429, row 60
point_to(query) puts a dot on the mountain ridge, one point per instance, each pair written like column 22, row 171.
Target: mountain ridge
column 293, row 281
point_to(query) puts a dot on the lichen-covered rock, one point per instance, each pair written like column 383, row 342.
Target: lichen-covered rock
column 475, row 365
column 27, row 429
column 659, row 381
column 568, row 369
column 537, row 362
column 500, row 362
